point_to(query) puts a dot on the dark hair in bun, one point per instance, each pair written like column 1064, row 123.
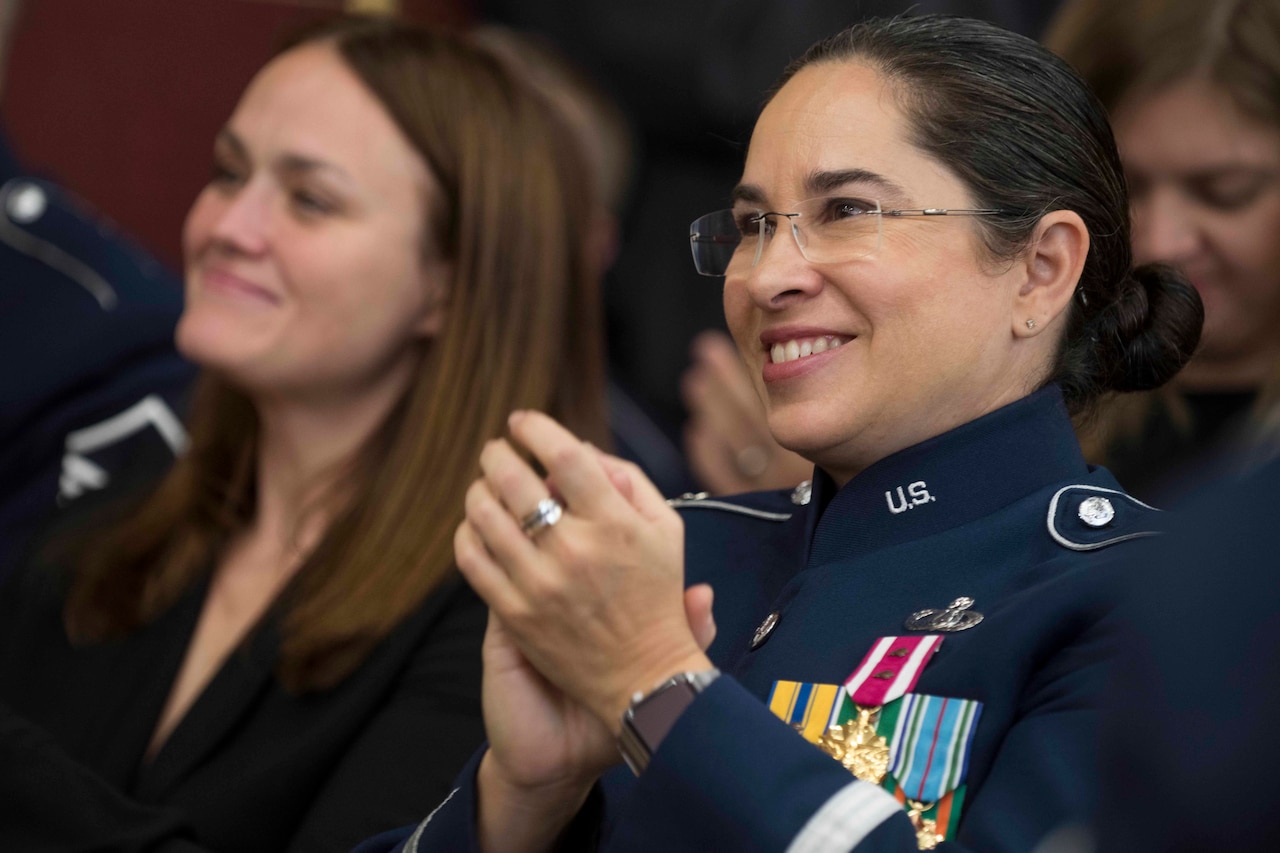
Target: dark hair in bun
column 1135, row 342
column 1020, row 128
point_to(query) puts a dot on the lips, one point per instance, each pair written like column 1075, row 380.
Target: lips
column 795, row 351
column 797, row 348
column 224, row 283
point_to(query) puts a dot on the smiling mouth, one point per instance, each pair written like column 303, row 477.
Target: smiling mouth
column 798, row 348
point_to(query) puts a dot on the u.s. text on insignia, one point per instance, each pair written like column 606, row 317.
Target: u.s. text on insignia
column 956, row 616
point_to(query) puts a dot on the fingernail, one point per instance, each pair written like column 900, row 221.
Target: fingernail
column 515, row 417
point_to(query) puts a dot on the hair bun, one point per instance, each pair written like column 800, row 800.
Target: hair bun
column 1150, row 331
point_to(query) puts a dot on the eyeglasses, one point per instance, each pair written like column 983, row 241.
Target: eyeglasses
column 826, row 230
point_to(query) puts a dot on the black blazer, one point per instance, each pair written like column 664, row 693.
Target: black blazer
column 250, row 767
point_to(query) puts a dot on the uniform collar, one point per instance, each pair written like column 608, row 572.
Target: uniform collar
column 946, row 481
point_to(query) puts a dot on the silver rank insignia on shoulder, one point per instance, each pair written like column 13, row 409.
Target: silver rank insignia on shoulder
column 1096, row 512
column 802, row 494
column 955, row 617
column 766, row 628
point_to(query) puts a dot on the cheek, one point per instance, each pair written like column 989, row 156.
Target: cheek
column 199, row 223
column 737, row 310
column 1249, row 243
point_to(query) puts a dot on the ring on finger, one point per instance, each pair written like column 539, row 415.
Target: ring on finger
column 546, row 514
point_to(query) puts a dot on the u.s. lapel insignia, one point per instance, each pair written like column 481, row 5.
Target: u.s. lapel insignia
column 956, row 616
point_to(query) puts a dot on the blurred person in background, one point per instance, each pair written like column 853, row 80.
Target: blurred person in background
column 386, row 260
column 1194, row 91
column 1190, row 721
column 90, row 383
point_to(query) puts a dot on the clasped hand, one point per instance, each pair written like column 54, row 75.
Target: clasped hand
column 584, row 613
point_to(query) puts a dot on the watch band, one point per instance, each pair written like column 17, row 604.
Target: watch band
column 652, row 715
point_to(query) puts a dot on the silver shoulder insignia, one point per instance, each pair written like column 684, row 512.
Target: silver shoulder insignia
column 1086, row 518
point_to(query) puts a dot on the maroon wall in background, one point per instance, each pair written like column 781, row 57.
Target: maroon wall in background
column 120, row 100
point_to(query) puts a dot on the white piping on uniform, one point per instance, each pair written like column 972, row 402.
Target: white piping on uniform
column 47, row 253
column 1077, row 546
column 411, row 846
column 151, row 409
column 681, row 503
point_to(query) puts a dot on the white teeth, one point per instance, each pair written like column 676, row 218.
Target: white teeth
column 801, row 347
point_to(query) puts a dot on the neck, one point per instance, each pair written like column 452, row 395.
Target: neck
column 305, row 445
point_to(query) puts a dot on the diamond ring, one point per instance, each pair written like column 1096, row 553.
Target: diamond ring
column 547, row 513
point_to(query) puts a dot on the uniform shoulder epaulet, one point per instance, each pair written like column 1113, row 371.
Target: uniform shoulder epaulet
column 23, row 204
column 766, row 506
column 1086, row 518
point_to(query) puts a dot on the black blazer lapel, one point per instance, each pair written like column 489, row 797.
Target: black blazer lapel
column 239, row 685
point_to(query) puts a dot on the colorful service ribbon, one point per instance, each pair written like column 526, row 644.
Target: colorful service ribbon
column 891, row 669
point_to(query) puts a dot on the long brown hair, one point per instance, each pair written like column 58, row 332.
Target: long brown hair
column 522, row 330
column 1123, row 47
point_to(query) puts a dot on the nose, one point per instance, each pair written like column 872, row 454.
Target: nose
column 242, row 219
column 781, row 273
column 1164, row 229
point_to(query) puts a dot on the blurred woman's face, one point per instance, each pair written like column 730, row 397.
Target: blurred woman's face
column 307, row 272
column 857, row 359
column 1205, row 185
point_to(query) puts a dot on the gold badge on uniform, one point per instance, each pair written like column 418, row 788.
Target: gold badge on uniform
column 912, row 745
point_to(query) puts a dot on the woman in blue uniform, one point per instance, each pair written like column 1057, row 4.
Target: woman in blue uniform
column 927, row 271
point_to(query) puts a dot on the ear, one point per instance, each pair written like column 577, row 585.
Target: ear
column 437, row 281
column 1052, row 266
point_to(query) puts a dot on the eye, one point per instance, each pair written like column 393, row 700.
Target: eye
column 310, row 203
column 845, row 208
column 1230, row 192
column 748, row 222
column 223, row 174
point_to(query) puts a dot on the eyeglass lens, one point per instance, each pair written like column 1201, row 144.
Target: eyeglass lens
column 826, row 230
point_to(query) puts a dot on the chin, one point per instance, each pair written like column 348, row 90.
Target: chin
column 212, row 345
column 807, row 435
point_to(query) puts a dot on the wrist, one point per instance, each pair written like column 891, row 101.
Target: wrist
column 642, row 681
column 517, row 817
column 650, row 717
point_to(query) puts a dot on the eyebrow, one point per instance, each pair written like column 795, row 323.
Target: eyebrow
column 295, row 164
column 823, row 182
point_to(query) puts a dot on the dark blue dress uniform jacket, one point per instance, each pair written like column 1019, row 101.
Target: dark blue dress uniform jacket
column 86, row 340
column 989, row 511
